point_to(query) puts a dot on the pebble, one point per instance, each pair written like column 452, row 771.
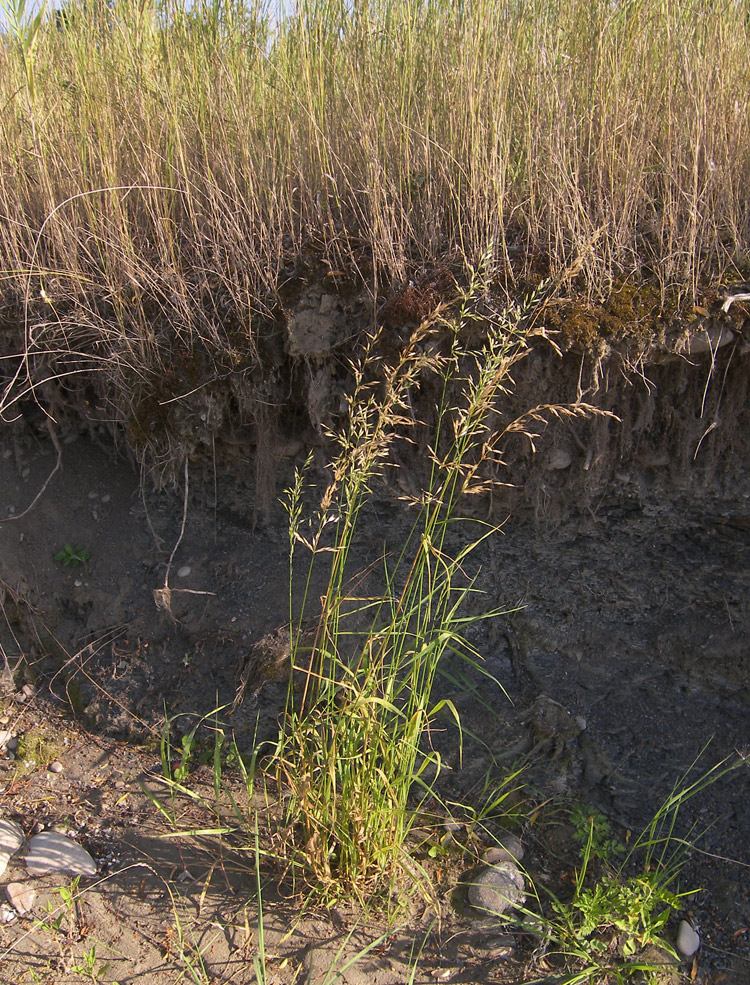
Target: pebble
column 21, row 897
column 106, row 498
column 184, row 571
column 53, row 852
column 55, row 767
column 560, row 458
column 508, row 849
column 502, row 946
column 5, row 736
column 688, row 940
column 497, row 889
column 7, row 913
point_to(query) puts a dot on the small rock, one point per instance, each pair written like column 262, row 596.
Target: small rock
column 106, row 498
column 688, row 940
column 56, row 767
column 709, row 340
column 12, row 745
column 508, row 849
column 7, row 913
column 28, row 690
column 53, row 852
column 5, row 736
column 497, row 889
column 560, row 458
column 184, row 571
column 502, row 946
column 21, row 897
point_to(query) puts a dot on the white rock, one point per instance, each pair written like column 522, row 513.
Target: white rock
column 11, row 836
column 53, row 852
column 7, row 913
column 184, row 571
column 560, row 458
column 21, row 897
column 5, row 736
column 688, row 940
column 56, row 767
column 497, row 889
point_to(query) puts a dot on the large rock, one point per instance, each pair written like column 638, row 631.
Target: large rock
column 11, row 840
column 53, row 852
column 497, row 889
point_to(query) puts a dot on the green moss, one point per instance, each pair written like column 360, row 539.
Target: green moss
column 36, row 749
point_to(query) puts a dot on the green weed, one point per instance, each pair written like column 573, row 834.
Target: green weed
column 71, row 557
column 600, row 934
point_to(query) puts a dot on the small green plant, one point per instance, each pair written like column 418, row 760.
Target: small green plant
column 592, row 828
column 90, row 968
column 71, row 557
column 600, row 934
column 36, row 749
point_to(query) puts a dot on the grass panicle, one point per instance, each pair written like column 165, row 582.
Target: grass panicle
column 352, row 749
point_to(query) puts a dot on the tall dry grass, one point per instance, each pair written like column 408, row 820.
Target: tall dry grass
column 164, row 169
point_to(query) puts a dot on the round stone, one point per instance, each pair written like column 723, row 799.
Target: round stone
column 184, row 571
column 508, row 849
column 688, row 940
column 498, row 889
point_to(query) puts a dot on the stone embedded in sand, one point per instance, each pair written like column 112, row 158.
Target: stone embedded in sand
column 712, row 337
column 184, row 571
column 497, row 889
column 508, row 849
column 21, row 897
column 53, row 852
column 560, row 458
column 688, row 940
column 11, row 839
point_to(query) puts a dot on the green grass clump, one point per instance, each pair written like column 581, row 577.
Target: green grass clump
column 352, row 750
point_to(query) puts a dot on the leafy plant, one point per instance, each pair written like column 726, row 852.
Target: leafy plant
column 600, row 934
column 592, row 828
column 71, row 557
column 90, row 968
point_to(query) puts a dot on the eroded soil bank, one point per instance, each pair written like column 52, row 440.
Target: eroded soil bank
column 625, row 557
